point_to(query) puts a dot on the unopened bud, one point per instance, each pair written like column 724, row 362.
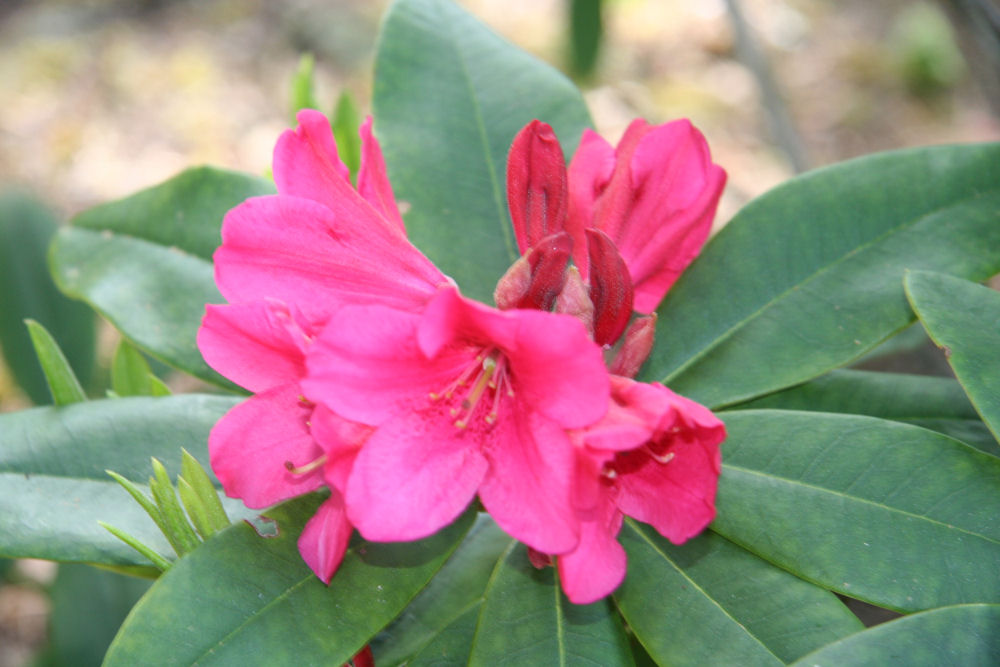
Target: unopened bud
column 635, row 348
column 574, row 300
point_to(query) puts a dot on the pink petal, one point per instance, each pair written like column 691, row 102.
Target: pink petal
column 555, row 367
column 301, row 252
column 250, row 445
column 610, row 288
column 589, row 172
column 536, row 184
column 253, row 344
column 597, row 566
column 414, row 475
column 366, row 365
column 341, row 440
column 373, row 179
column 528, row 487
column 659, row 207
column 324, row 539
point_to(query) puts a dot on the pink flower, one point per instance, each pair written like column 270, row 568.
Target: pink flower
column 463, row 399
column 654, row 197
column 286, row 263
column 654, row 457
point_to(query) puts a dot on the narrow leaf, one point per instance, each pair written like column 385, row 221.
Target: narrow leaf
column 964, row 319
column 130, row 372
column 156, row 559
column 303, row 96
column 194, row 474
column 346, row 121
column 63, row 385
column 179, row 532
column 242, row 596
column 195, row 509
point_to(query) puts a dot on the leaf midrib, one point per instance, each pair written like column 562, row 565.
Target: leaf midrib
column 728, row 333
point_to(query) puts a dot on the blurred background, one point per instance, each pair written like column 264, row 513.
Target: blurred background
column 99, row 98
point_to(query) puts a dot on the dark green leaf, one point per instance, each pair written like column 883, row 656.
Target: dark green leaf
column 711, row 602
column 808, row 276
column 451, row 645
column 239, row 598
column 888, row 513
column 88, row 606
column 184, row 213
column 62, row 382
column 936, row 403
column 964, row 319
column 53, row 484
column 449, row 97
column 526, row 620
column 453, row 592
column 960, row 635
column 27, row 292
column 153, row 294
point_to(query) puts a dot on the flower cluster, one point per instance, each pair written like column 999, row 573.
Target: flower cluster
column 373, row 376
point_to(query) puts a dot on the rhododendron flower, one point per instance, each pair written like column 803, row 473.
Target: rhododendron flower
column 654, row 457
column 464, row 399
column 654, row 196
column 286, row 262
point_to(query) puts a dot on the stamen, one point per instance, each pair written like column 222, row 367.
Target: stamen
column 661, row 458
column 306, row 468
column 500, row 385
column 470, row 402
column 460, row 380
column 609, row 472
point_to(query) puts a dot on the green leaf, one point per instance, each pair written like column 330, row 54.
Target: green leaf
column 153, row 294
column 240, row 596
column 88, row 606
column 201, row 485
column 27, row 292
column 453, row 593
column 62, row 382
column 959, row 635
column 809, row 276
column 178, row 531
column 451, row 645
column 711, row 602
column 936, row 403
column 449, row 97
column 964, row 319
column 130, row 372
column 888, row 513
column 53, row 484
column 144, row 262
column 302, row 94
column 526, row 620
column 346, row 121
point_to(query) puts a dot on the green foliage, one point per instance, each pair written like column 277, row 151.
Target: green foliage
column 62, row 382
column 28, row 292
column 964, row 319
column 449, row 97
column 924, row 51
column 346, row 121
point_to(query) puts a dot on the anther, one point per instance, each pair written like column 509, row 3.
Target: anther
column 306, row 468
column 661, row 458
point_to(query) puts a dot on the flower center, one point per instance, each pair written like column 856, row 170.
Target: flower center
column 486, row 375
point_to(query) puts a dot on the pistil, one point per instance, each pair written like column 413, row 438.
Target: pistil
column 305, row 468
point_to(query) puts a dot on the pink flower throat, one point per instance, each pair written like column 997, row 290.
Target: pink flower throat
column 486, row 374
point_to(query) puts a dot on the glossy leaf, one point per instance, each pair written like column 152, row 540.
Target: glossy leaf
column 27, row 292
column 242, row 596
column 449, row 97
column 959, row 635
column 936, row 403
column 53, row 484
column 451, row 645
column 153, row 294
column 964, row 319
column 144, row 262
column 888, row 513
column 809, row 276
column 59, row 376
column 675, row 597
column 526, row 620
column 455, row 591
